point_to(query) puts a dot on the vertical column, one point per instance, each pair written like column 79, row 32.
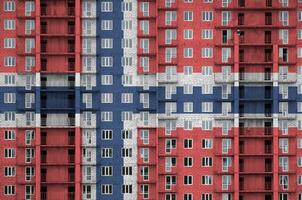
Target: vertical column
column 275, row 123
column 37, row 94
column 77, row 100
column 236, row 116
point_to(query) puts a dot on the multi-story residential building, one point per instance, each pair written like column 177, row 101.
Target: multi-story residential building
column 151, row 99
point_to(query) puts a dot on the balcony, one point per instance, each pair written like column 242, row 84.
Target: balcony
column 221, row 78
column 255, row 77
column 255, row 132
column 57, row 120
column 167, row 78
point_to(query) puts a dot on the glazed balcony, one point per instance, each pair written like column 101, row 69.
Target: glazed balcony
column 256, row 77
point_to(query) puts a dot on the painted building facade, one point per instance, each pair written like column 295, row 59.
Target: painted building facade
column 151, row 99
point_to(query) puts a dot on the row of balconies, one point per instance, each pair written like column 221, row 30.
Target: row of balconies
column 256, row 5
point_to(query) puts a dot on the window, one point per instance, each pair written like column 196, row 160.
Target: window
column 144, row 99
column 9, row 171
column 126, row 134
column 299, row 180
column 170, row 16
column 107, row 134
column 188, row 52
column 9, row 190
column 107, row 43
column 225, row 54
column 226, row 145
column 29, row 26
column 29, row 173
column 207, row 70
column 9, row 6
column 9, row 24
column 206, row 180
column 126, row 189
column 283, row 17
column 127, row 25
column 144, row 154
column 106, row 79
column 144, row 136
column 225, row 18
column 144, row 172
column 188, row 161
column 188, row 196
column 126, row 6
column 9, row 97
column 188, row 70
column 106, row 116
column 188, row 89
column 299, row 161
column 106, row 152
column 188, row 34
column 170, row 35
column 207, row 89
column 126, row 152
column 299, row 16
column 144, row 26
column 106, row 25
column 127, row 97
column 29, row 62
column 126, row 171
column 106, row 7
column 206, row 143
column 207, row 52
column 299, row 34
column 188, row 143
column 207, row 16
column 206, row 162
column 144, row 8
column 188, row 16
column 207, row 34
column 127, row 79
column 188, row 106
column 207, row 106
column 206, row 124
column 283, row 35
column 9, row 43
column 106, row 189
column 9, row 153
column 283, row 181
column 126, row 43
column 9, row 135
column 9, row 61
column 188, row 125
column 9, row 116
column 144, row 45
column 207, row 196
column 126, row 116
column 126, row 61
column 188, row 180
column 107, row 98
